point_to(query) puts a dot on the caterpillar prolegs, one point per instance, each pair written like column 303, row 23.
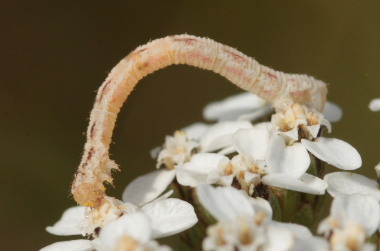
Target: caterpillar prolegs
column 279, row 88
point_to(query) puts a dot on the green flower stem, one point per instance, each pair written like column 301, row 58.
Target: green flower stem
column 301, row 208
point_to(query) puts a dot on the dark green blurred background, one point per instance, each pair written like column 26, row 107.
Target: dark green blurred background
column 55, row 54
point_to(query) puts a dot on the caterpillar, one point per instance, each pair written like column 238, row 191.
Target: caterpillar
column 279, row 88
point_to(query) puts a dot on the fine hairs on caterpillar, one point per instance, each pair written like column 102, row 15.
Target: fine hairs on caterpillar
column 279, row 88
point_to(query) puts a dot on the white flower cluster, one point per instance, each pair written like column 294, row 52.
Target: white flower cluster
column 131, row 224
column 275, row 153
column 245, row 223
column 228, row 169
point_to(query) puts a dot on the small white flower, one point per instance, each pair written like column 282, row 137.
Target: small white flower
column 352, row 219
column 131, row 232
column 285, row 152
column 288, row 122
column 299, row 124
column 261, row 157
column 177, row 150
column 240, row 234
column 202, row 169
column 238, row 219
column 345, row 183
column 166, row 216
column 244, row 223
column 278, row 164
column 211, row 168
column 193, row 134
column 374, row 105
column 81, row 220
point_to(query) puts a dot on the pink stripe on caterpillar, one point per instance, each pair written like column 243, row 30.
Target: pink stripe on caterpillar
column 278, row 88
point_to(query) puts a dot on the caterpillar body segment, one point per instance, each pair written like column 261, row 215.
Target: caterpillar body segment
column 279, row 88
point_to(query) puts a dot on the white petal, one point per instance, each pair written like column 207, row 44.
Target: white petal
column 299, row 231
column 252, row 178
column 293, row 133
column 368, row 247
column 148, row 187
column 292, row 160
column 231, row 107
column 74, row 245
column 305, row 184
column 69, row 222
column 335, row 152
column 325, row 226
column 200, row 169
column 193, row 178
column 220, row 135
column 135, row 225
column 374, row 105
column 195, row 131
column 377, row 170
column 253, row 142
column 362, row 209
column 332, row 112
column 206, row 160
column 314, row 130
column 311, row 244
column 345, row 183
column 169, row 216
column 165, row 195
column 326, row 123
column 227, row 150
column 155, row 151
column 227, row 180
column 224, row 203
column 256, row 114
column 279, row 239
column 262, row 205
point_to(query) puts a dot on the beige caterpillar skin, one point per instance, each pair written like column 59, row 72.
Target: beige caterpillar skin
column 279, row 88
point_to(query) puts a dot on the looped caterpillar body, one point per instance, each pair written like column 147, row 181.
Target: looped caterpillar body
column 279, row 88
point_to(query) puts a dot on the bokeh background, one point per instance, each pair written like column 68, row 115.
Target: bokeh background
column 55, row 54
